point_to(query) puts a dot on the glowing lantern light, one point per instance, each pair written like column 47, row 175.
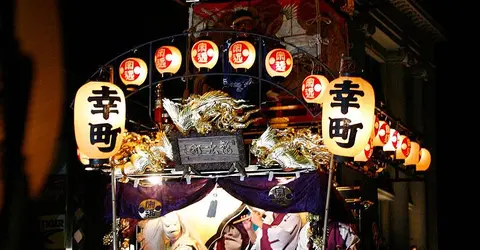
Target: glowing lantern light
column 133, row 72
column 347, row 116
column 314, row 88
column 279, row 62
column 403, row 148
column 366, row 153
column 392, row 143
column 413, row 158
column 241, row 55
column 168, row 59
column 383, row 134
column 204, row 54
column 425, row 159
column 99, row 120
column 82, row 158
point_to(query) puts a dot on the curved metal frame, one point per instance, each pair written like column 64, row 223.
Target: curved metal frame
column 187, row 74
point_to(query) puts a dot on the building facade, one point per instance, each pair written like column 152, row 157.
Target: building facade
column 392, row 41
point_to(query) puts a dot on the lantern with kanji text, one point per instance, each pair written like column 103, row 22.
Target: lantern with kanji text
column 366, row 153
column 99, row 120
column 314, row 88
column 392, row 142
column 348, row 116
column 403, row 148
column 425, row 158
column 204, row 54
column 413, row 158
column 383, row 134
column 168, row 59
column 133, row 72
column 241, row 55
column 279, row 62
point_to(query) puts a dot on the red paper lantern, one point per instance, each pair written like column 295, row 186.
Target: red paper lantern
column 133, row 72
column 241, row 55
column 204, row 54
column 279, row 62
column 314, row 88
column 168, row 59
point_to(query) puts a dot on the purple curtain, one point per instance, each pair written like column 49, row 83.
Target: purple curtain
column 307, row 193
column 173, row 195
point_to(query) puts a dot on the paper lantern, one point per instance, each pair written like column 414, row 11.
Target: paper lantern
column 82, row 158
column 366, row 153
column 425, row 159
column 347, row 116
column 168, row 59
column 403, row 148
column 412, row 158
column 99, row 120
column 133, row 72
column 241, row 55
column 204, row 54
column 392, row 142
column 314, row 88
column 383, row 134
column 279, row 62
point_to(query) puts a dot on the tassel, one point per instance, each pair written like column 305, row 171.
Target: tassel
column 212, row 209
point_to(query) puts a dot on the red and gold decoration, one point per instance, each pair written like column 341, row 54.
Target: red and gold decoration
column 403, row 149
column 347, row 116
column 383, row 134
column 168, row 59
column 241, row 55
column 279, row 62
column 314, row 88
column 392, row 142
column 133, row 72
column 204, row 54
column 413, row 158
column 425, row 159
column 99, row 119
column 366, row 153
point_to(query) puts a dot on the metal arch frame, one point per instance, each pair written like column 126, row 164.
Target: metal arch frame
column 187, row 74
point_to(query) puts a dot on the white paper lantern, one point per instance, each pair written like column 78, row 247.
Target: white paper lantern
column 347, row 116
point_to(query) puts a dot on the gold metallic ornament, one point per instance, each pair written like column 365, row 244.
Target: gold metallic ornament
column 212, row 110
column 291, row 149
column 141, row 153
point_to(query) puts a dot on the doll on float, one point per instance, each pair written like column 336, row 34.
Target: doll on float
column 166, row 233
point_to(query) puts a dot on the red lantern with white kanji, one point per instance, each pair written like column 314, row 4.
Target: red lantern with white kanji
column 168, row 59
column 204, row 54
column 314, row 88
column 279, row 62
column 413, row 158
column 425, row 158
column 241, row 55
column 133, row 72
column 392, row 142
column 383, row 134
column 404, row 148
column 99, row 120
column 366, row 153
column 348, row 116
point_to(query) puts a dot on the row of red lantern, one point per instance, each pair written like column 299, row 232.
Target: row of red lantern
column 204, row 54
column 348, row 102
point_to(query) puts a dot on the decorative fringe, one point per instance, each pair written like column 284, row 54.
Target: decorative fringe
column 212, row 209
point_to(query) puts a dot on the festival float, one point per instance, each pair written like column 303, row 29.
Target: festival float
column 243, row 157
